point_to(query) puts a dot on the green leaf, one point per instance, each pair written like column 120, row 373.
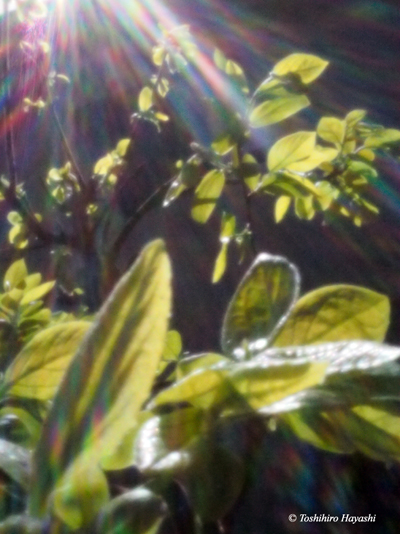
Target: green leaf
column 110, row 377
column 382, row 137
column 38, row 369
column 353, row 118
column 220, row 263
column 172, row 350
column 304, row 208
column 37, row 293
column 15, row 462
column 332, row 130
column 373, row 432
column 342, row 357
column 122, row 147
column 319, row 155
column 244, row 386
column 213, row 478
column 206, row 195
column 317, row 429
column 290, row 149
column 166, row 433
column 15, row 275
column 138, row 511
column 199, row 362
column 14, row 218
column 80, row 494
column 282, row 205
column 277, row 110
column 223, row 144
column 145, row 100
column 259, row 306
column 250, row 171
column 335, row 313
column 306, row 66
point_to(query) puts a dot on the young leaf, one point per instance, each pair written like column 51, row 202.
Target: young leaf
column 15, row 274
column 206, row 195
column 282, row 205
column 335, row 313
column 38, row 369
column 260, row 305
column 37, row 293
column 332, row 130
column 220, row 264
column 110, row 376
column 289, row 149
column 382, row 137
column 306, row 66
column 277, row 110
column 145, row 100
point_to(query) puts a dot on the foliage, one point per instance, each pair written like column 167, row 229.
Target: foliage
column 82, row 399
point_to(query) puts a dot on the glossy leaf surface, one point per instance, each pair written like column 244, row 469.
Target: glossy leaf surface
column 259, row 306
column 335, row 313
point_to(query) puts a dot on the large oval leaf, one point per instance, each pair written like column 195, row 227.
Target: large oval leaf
column 336, row 313
column 110, row 376
column 295, row 147
column 38, row 369
column 306, row 66
column 277, row 109
column 244, row 386
column 260, row 305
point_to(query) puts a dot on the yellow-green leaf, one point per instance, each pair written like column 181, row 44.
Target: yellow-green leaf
column 335, row 313
column 259, row 306
column 199, row 361
column 15, row 274
column 319, row 155
column 306, row 66
column 122, row 147
column 206, row 195
column 104, row 165
column 332, row 130
column 276, row 110
column 145, row 100
column 382, row 137
column 353, row 118
column 80, row 494
column 37, row 292
column 138, row 511
column 292, row 148
column 220, row 263
column 110, row 377
column 282, row 205
column 37, row 370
